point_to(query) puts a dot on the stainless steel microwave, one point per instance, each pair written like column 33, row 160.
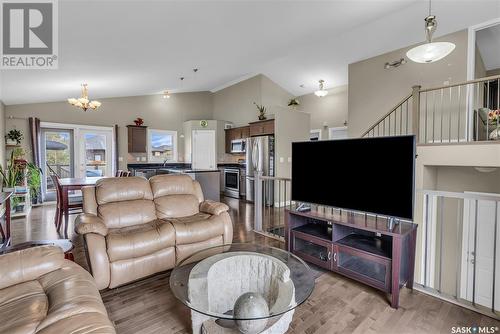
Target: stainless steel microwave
column 238, row 146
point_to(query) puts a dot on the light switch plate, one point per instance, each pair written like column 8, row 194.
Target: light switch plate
column 138, row 158
column 120, row 159
column 143, row 158
column 282, row 160
column 289, row 159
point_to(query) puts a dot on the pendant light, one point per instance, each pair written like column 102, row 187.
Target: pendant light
column 321, row 92
column 430, row 51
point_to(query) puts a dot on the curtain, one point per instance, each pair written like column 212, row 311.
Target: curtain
column 35, row 136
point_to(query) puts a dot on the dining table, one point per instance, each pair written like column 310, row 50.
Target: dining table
column 68, row 184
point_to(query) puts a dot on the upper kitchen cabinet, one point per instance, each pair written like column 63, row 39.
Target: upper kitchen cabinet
column 137, row 139
column 241, row 132
column 262, row 128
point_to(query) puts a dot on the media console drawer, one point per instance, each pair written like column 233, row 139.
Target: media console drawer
column 312, row 249
column 370, row 269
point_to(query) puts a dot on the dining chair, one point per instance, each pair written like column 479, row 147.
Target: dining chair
column 126, row 173
column 119, row 173
column 75, row 204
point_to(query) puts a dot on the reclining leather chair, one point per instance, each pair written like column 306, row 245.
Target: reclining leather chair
column 41, row 292
column 134, row 228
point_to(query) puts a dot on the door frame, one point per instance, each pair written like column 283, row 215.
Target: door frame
column 76, row 134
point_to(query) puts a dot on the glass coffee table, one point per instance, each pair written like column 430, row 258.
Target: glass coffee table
column 245, row 288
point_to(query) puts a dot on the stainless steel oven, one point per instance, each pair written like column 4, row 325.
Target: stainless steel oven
column 238, row 146
column 232, row 182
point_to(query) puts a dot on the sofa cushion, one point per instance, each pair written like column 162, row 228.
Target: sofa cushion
column 119, row 189
column 22, row 307
column 176, row 206
column 197, row 228
column 168, row 184
column 139, row 240
column 184, row 251
column 25, row 265
column 128, row 213
column 70, row 290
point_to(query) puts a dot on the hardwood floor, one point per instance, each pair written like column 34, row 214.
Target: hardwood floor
column 337, row 305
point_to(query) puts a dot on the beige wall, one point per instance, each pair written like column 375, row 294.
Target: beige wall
column 374, row 90
column 235, row 103
column 331, row 109
column 479, row 68
column 158, row 113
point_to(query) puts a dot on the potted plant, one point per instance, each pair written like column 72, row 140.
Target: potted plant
column 294, row 102
column 262, row 111
column 34, row 181
column 14, row 137
column 11, row 174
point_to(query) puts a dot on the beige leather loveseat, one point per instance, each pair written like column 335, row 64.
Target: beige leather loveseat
column 135, row 227
column 41, row 292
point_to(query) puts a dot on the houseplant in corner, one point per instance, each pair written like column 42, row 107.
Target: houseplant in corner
column 14, row 137
column 262, row 111
column 10, row 175
column 34, row 181
column 293, row 102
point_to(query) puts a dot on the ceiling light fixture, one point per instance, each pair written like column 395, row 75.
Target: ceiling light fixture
column 430, row 51
column 166, row 94
column 83, row 102
column 321, row 92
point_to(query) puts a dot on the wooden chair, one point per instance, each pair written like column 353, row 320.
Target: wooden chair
column 119, row 173
column 75, row 205
column 126, row 174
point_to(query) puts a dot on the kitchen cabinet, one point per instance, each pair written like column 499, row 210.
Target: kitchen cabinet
column 137, row 139
column 262, row 128
column 241, row 132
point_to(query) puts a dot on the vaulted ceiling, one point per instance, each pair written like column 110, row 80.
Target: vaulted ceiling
column 126, row 48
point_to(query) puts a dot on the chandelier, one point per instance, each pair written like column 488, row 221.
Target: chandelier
column 322, row 91
column 430, row 51
column 83, row 102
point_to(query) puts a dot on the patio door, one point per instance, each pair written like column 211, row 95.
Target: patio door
column 95, row 152
column 57, row 155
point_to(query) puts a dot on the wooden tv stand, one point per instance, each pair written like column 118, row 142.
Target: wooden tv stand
column 362, row 247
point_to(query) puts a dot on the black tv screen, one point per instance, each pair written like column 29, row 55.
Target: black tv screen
column 373, row 175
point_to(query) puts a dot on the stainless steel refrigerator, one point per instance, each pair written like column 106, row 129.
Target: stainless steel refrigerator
column 259, row 157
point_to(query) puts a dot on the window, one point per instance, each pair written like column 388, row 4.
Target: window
column 162, row 145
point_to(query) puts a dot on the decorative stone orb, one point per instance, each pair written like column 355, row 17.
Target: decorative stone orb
column 251, row 305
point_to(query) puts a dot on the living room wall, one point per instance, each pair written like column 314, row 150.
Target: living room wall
column 2, row 133
column 330, row 110
column 374, row 90
column 158, row 113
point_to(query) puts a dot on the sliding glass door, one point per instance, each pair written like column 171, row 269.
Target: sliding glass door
column 57, row 156
column 95, row 153
column 71, row 150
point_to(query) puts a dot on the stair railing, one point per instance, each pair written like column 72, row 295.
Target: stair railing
column 462, row 112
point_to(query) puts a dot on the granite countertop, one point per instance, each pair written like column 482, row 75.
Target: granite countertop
column 188, row 170
column 231, row 164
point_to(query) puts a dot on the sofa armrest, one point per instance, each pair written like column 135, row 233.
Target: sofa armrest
column 213, row 208
column 89, row 223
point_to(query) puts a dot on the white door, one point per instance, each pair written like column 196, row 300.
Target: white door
column 203, row 149
column 478, row 252
column 95, row 156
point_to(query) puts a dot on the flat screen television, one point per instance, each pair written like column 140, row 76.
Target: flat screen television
column 373, row 175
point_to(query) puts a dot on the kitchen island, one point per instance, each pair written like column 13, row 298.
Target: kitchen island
column 209, row 179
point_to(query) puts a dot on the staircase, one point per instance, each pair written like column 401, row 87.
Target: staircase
column 455, row 113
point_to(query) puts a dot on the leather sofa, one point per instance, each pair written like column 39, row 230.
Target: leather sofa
column 41, row 292
column 134, row 227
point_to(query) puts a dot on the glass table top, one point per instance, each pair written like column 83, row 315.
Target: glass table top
column 210, row 281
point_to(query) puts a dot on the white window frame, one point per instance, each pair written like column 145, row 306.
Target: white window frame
column 316, row 131
column 151, row 158
column 338, row 128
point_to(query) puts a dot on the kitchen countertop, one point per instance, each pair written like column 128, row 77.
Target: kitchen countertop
column 232, row 164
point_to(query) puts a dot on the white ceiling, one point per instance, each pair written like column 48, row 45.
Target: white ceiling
column 488, row 42
column 126, row 48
